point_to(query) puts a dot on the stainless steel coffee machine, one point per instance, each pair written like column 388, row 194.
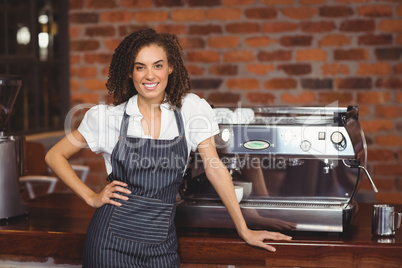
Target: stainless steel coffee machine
column 299, row 167
column 11, row 152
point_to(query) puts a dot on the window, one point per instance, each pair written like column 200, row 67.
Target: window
column 34, row 45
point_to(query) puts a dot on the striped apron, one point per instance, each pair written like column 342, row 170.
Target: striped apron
column 141, row 232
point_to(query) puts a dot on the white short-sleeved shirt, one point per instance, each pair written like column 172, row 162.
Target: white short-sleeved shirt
column 101, row 124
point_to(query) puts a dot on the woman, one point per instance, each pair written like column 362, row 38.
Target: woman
column 145, row 139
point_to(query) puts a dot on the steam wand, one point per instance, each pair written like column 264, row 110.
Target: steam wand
column 365, row 171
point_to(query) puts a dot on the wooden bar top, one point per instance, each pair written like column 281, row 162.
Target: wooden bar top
column 56, row 227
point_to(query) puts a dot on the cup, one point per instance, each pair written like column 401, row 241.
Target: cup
column 239, row 193
column 247, row 187
column 385, row 220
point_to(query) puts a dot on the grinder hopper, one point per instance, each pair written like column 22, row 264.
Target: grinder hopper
column 11, row 204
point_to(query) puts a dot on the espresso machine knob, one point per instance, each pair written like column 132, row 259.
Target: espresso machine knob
column 338, row 140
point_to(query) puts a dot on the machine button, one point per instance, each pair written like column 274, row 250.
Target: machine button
column 305, row 145
column 321, row 135
column 337, row 137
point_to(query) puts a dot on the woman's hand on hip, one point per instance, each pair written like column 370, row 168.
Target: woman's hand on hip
column 256, row 238
column 115, row 189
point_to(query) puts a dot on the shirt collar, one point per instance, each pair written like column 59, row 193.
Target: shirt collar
column 132, row 106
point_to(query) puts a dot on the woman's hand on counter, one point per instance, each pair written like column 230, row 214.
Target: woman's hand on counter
column 113, row 190
column 257, row 238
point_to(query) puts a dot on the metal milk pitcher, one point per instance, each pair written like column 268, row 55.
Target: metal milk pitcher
column 385, row 220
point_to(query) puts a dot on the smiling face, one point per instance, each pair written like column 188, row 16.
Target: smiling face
column 150, row 74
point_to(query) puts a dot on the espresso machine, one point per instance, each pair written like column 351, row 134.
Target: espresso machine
column 11, row 153
column 300, row 169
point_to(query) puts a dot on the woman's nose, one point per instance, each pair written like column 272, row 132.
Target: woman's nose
column 150, row 74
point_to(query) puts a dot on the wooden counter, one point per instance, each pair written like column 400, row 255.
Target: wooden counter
column 57, row 223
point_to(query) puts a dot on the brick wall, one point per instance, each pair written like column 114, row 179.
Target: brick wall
column 264, row 52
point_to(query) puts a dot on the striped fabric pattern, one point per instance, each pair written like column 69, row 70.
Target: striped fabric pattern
column 140, row 233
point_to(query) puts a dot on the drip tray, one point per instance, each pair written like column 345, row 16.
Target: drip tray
column 305, row 214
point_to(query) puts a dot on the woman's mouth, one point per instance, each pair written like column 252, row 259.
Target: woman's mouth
column 150, row 86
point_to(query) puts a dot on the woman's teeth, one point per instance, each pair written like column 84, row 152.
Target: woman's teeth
column 150, row 85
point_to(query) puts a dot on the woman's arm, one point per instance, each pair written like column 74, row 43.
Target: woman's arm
column 57, row 160
column 220, row 179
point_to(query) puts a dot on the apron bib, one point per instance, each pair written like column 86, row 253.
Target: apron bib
column 141, row 232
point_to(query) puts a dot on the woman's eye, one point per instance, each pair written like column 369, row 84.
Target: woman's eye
column 139, row 68
column 159, row 66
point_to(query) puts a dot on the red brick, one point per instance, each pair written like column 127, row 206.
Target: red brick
column 389, row 197
column 377, row 126
column 84, row 98
column 151, row 16
column 83, row 17
column 100, row 31
column 223, row 41
column 357, row 25
column 194, row 70
column 399, row 11
column 354, row 83
column 344, row 98
column 277, row 55
column 317, row 26
column 112, row 44
column 171, row 28
column 203, row 56
column 379, row 68
column 398, row 97
column 277, row 2
column 238, row 2
column 371, row 39
column 74, row 31
column 389, row 53
column 126, row 29
column 98, row 58
column 84, row 45
column 224, row 14
column 105, row 71
column 101, row 3
column 334, row 69
column 398, row 68
column 187, row 43
column 243, row 83
column 260, row 98
column 83, row 72
column 223, row 98
column 238, row 56
column 299, row 12
column 260, row 41
column 375, row 11
column 351, row 54
column 305, row 97
column 317, row 83
column 261, row 13
column 278, row 27
column 312, row 2
column 205, row 3
column 311, row 55
column 225, row 69
column 75, row 59
column 138, row 3
column 280, row 83
column 243, row 28
column 352, row 1
column 188, row 15
column 336, row 40
column 390, row 25
column 94, row 84
column 388, row 111
column 296, row 40
column 74, row 85
column 206, row 83
column 295, row 69
column 75, row 4
column 388, row 169
column 335, row 11
column 390, row 83
column 260, row 69
column 204, row 29
column 116, row 16
column 369, row 97
column 399, row 39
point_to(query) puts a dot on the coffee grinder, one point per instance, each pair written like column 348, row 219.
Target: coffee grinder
column 11, row 152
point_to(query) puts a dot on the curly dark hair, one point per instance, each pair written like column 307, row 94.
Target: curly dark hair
column 119, row 83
